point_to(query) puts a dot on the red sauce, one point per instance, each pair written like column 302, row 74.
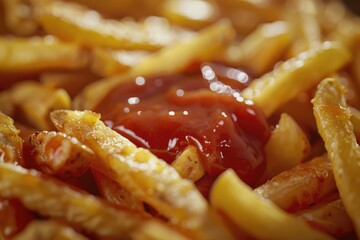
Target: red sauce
column 166, row 114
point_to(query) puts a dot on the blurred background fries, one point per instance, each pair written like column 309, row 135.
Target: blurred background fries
column 66, row 172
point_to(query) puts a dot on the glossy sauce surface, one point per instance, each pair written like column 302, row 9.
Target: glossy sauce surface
column 166, row 114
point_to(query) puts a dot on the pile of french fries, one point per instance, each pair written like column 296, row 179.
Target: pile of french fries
column 65, row 175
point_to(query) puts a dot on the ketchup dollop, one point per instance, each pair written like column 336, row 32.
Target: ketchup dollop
column 167, row 114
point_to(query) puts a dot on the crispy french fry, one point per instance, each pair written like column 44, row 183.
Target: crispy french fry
column 296, row 75
column 10, row 142
column 48, row 230
column 106, row 62
column 257, row 216
column 294, row 145
column 204, row 46
column 188, row 164
column 55, row 199
column 25, row 97
column 58, row 154
column 333, row 120
column 114, row 193
column 39, row 53
column 300, row 187
column 261, row 49
column 330, row 217
column 79, row 24
column 136, row 169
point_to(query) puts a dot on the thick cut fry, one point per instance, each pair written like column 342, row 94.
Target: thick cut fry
column 257, row 216
column 188, row 164
column 333, row 120
column 295, row 76
column 301, row 186
column 331, row 218
column 294, row 145
column 261, row 49
column 48, row 230
column 78, row 24
column 202, row 47
column 52, row 198
column 58, row 154
column 136, row 169
column 114, row 193
column 39, row 53
column 10, row 142
column 31, row 102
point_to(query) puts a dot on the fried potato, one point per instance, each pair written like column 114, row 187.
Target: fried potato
column 257, row 216
column 10, row 142
column 52, row 198
column 330, row 217
column 294, row 144
column 296, row 75
column 39, row 53
column 114, row 193
column 300, row 187
column 135, row 169
column 261, row 49
column 202, row 47
column 188, row 164
column 24, row 97
column 333, row 120
column 58, row 154
column 79, row 24
column 48, row 230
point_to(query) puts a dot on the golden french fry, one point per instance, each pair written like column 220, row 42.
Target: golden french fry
column 25, row 97
column 296, row 75
column 204, row 46
column 330, row 217
column 76, row 23
column 188, row 164
column 257, row 216
column 10, row 142
column 58, row 154
column 300, row 187
column 114, row 193
column 106, row 62
column 39, row 53
column 48, row 230
column 135, row 169
column 294, row 144
column 333, row 120
column 261, row 49
column 52, row 198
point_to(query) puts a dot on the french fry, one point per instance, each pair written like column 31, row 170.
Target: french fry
column 333, row 120
column 115, row 193
column 48, row 230
column 188, row 164
column 296, row 75
column 79, row 24
column 106, row 62
column 55, row 199
column 19, row 17
column 27, row 96
column 261, row 49
column 355, row 120
column 330, row 217
column 39, row 53
column 10, row 142
column 202, row 47
column 58, row 154
column 300, row 187
column 295, row 146
column 257, row 216
column 136, row 169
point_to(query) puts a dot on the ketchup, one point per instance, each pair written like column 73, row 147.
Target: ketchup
column 167, row 114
